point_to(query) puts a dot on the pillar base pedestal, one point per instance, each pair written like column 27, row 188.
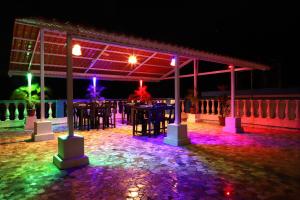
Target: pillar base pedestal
column 42, row 131
column 177, row 135
column 193, row 117
column 70, row 152
column 233, row 125
column 29, row 123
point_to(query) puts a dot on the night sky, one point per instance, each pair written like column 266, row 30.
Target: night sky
column 265, row 33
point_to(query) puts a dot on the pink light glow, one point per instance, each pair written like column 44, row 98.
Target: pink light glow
column 230, row 66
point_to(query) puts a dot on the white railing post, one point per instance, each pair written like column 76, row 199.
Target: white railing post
column 237, row 108
column 286, row 111
column 202, row 106
column 25, row 111
column 212, row 106
column 252, row 107
column 50, row 110
column 16, row 111
column 245, row 108
column 297, row 110
column 7, row 113
column 260, row 115
column 277, row 108
column 207, row 106
column 182, row 106
column 268, row 113
column 219, row 107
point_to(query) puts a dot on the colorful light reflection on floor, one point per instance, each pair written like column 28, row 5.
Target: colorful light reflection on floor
column 260, row 164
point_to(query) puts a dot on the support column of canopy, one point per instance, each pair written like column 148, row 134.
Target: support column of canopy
column 177, row 132
column 42, row 127
column 194, row 117
column 70, row 147
column 232, row 123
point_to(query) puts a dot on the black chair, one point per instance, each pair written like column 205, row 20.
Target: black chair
column 139, row 118
column 156, row 121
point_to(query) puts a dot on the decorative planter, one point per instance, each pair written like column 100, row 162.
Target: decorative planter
column 30, row 112
column 222, row 121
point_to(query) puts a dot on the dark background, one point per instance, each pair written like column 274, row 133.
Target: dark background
column 263, row 32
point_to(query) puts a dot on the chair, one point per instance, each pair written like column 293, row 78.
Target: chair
column 139, row 118
column 156, row 121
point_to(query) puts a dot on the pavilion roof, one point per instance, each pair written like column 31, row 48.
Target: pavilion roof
column 103, row 54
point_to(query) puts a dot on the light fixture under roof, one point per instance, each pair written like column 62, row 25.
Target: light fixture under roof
column 76, row 50
column 173, row 62
column 132, row 59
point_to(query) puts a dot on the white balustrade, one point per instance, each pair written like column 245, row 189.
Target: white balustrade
column 237, row 114
column 25, row 111
column 16, row 111
column 219, row 108
column 259, row 108
column 252, row 107
column 7, row 113
column 202, row 106
column 245, row 108
column 268, row 109
column 297, row 110
column 286, row 110
column 182, row 106
column 212, row 106
column 207, row 106
column 277, row 109
column 50, row 110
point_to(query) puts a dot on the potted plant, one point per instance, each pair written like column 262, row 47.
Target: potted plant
column 140, row 95
column 194, row 100
column 224, row 108
column 23, row 93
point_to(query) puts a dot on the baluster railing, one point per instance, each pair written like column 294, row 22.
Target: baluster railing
column 202, row 106
column 7, row 113
column 16, row 111
column 50, row 110
column 277, row 109
column 286, row 110
column 297, row 117
column 252, row 107
column 25, row 111
column 207, row 106
column 268, row 109
column 245, row 108
column 237, row 106
column 182, row 106
column 213, row 106
column 260, row 108
column 219, row 108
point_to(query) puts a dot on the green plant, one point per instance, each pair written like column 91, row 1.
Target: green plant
column 224, row 105
column 22, row 93
column 193, row 99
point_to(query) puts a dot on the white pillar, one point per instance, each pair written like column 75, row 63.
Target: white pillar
column 232, row 96
column 195, row 84
column 195, row 77
column 232, row 123
column 177, row 132
column 42, row 128
column 42, row 78
column 70, row 86
column 70, row 147
column 177, row 93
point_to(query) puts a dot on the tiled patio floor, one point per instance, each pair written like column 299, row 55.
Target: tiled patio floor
column 259, row 164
